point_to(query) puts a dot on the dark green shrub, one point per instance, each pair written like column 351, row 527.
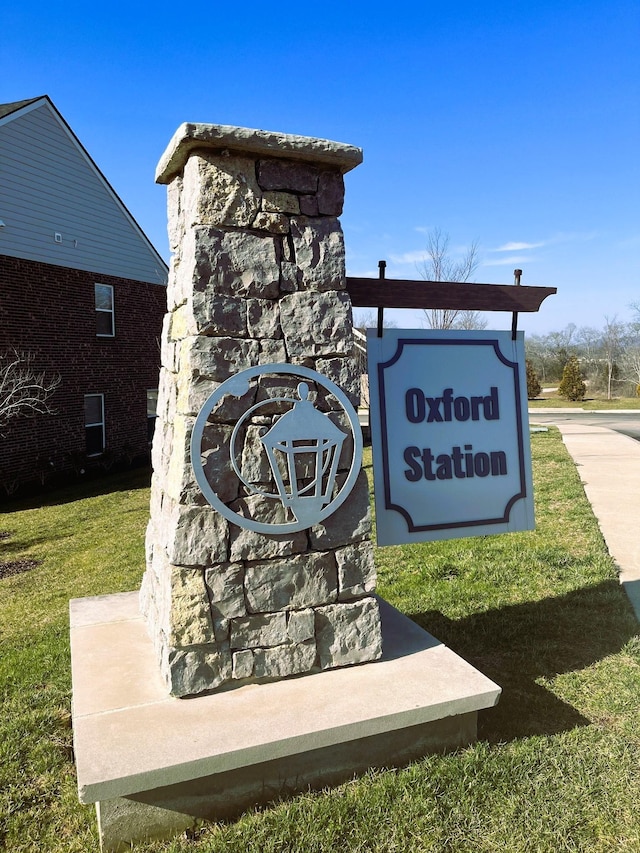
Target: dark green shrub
column 533, row 383
column 572, row 386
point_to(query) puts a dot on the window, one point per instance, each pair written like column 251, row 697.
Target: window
column 152, row 412
column 105, row 317
column 94, row 423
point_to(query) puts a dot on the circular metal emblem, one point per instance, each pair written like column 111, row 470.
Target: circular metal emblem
column 294, row 459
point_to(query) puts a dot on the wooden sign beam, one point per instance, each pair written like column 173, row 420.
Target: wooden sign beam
column 403, row 293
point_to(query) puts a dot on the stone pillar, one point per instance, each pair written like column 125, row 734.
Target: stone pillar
column 257, row 277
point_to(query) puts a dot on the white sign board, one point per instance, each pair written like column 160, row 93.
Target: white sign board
column 450, row 434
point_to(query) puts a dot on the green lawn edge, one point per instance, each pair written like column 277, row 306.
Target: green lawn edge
column 590, row 404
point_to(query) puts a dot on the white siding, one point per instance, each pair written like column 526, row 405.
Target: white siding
column 48, row 186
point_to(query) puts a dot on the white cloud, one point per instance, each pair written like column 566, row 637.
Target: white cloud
column 517, row 247
column 560, row 237
column 414, row 257
column 362, row 273
column 511, row 260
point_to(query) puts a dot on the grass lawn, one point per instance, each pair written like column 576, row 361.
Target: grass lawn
column 557, row 764
column 591, row 404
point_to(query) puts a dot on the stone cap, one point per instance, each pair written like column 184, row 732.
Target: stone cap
column 190, row 136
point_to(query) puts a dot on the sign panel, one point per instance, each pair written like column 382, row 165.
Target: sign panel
column 450, row 434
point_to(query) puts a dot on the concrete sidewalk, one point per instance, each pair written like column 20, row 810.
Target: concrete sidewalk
column 609, row 466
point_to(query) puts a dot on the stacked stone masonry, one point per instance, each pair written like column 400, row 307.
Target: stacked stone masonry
column 257, row 277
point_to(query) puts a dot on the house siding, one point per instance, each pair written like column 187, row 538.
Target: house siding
column 48, row 185
column 49, row 312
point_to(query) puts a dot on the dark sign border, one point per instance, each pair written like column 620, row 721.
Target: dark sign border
column 401, row 343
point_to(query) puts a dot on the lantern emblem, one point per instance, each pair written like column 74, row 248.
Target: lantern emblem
column 307, row 442
column 300, row 450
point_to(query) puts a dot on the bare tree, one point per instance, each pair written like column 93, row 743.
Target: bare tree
column 468, row 319
column 538, row 354
column 440, row 266
column 630, row 361
column 613, row 340
column 24, row 390
column 630, row 365
column 589, row 341
column 561, row 346
column 366, row 320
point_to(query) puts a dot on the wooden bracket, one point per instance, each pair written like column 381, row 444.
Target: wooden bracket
column 403, row 293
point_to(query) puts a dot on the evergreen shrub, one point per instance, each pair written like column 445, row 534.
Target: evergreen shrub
column 572, row 386
column 533, row 383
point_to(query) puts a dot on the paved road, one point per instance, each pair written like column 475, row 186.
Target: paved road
column 626, row 422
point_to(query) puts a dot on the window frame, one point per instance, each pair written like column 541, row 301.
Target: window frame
column 94, row 424
column 152, row 394
column 111, row 312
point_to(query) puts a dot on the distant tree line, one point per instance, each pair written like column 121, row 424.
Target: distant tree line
column 607, row 359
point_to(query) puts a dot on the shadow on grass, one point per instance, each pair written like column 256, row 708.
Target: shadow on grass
column 94, row 486
column 515, row 645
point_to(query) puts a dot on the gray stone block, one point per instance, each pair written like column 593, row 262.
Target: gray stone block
column 319, row 253
column 280, row 202
column 251, row 632
column 259, row 144
column 293, row 733
column 305, row 580
column 344, row 373
column 272, row 352
column 215, row 358
column 190, row 615
column 287, row 175
column 309, row 205
column 274, row 223
column 350, row 523
column 195, row 536
column 167, row 811
column 330, row 194
column 254, row 464
column 199, row 668
column 316, row 325
column 283, row 661
column 356, row 570
column 223, row 316
column 247, row 545
column 300, row 625
column 216, row 440
column 219, row 190
column 263, row 319
column 233, row 264
column 242, row 663
column 288, row 277
column 226, row 596
column 348, row 633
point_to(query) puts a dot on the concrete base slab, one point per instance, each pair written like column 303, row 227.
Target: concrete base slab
column 155, row 765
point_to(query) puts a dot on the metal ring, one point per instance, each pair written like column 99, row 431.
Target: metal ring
column 239, row 384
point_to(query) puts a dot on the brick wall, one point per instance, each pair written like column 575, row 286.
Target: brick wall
column 49, row 311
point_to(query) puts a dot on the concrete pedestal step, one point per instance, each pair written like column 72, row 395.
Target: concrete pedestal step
column 156, row 765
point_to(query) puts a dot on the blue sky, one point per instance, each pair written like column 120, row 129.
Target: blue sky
column 515, row 124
